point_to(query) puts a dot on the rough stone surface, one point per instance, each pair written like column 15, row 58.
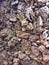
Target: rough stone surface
column 24, row 32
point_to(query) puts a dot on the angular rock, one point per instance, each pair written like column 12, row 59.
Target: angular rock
column 22, row 34
column 42, row 48
column 40, row 21
column 13, row 41
column 45, row 9
column 46, row 55
column 8, row 32
column 21, row 55
column 34, row 44
column 25, row 45
column 28, row 12
column 27, row 52
column 12, row 18
column 44, row 12
column 23, row 29
column 35, row 51
column 21, row 6
column 47, row 46
column 15, row 54
column 15, row 60
column 33, row 38
column 15, row 2
column 30, row 26
column 24, row 22
column 26, row 58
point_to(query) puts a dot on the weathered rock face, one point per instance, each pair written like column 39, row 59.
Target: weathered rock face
column 24, row 32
